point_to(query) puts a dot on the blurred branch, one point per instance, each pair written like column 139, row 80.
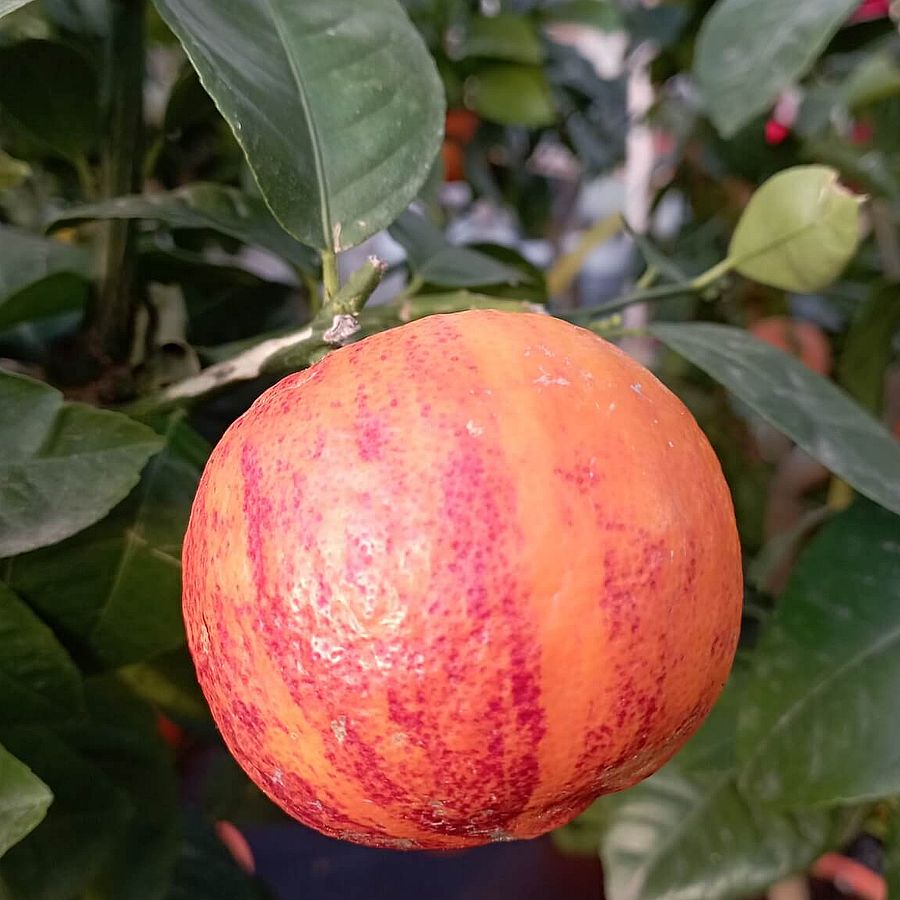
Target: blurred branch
column 111, row 317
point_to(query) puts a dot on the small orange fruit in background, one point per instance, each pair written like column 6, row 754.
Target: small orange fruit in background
column 459, row 129
column 455, row 581
column 802, row 339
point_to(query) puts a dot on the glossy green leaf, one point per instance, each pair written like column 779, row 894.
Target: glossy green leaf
column 38, row 680
column 8, row 6
column 799, row 230
column 39, row 277
column 748, row 51
column 813, row 412
column 114, row 590
column 64, row 465
column 820, row 725
column 337, row 105
column 868, row 346
column 51, row 90
column 435, row 260
column 696, row 837
column 12, row 171
column 506, row 36
column 24, row 800
column 200, row 205
column 688, row 833
column 511, row 94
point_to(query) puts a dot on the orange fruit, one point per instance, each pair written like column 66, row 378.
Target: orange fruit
column 460, row 125
column 456, row 580
column 454, row 161
column 802, row 339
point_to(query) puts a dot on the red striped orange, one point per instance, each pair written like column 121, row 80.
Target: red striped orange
column 455, row 581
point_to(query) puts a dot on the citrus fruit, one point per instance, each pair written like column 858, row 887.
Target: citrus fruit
column 456, row 580
column 802, row 339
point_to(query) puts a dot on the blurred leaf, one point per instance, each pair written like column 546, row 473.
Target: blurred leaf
column 511, row 95
column 338, row 106
column 748, row 51
column 868, row 346
column 868, row 167
column 24, row 800
column 111, row 832
column 62, row 855
column 892, row 857
column 819, row 725
column 114, row 590
column 51, row 90
column 229, row 794
column 38, row 680
column 875, row 78
column 65, row 465
column 680, row 836
column 12, row 171
column 594, row 13
column 688, row 832
column 189, row 104
column 434, row 259
column 567, row 267
column 200, row 205
column 39, row 277
column 532, row 284
column 169, row 682
column 81, row 17
column 506, row 36
column 205, row 869
column 8, row 6
column 799, row 230
column 813, row 412
column 124, row 735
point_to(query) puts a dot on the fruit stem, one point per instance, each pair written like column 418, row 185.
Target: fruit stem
column 331, row 277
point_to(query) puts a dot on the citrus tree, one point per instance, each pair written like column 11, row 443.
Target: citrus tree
column 184, row 191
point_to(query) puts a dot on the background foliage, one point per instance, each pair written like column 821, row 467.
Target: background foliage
column 176, row 183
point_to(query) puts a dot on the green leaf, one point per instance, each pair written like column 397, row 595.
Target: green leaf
column 506, row 36
column 38, row 680
column 892, row 857
column 799, row 230
column 169, row 682
column 200, row 205
column 8, row 6
column 868, row 346
column 65, row 465
column 111, row 833
column 24, row 800
column 432, row 258
column 51, row 90
column 748, row 51
column 12, row 171
column 68, row 848
column 599, row 14
column 337, row 105
column 813, row 412
column 114, row 590
column 39, row 277
column 876, row 78
column 819, row 725
column 511, row 94
column 684, row 837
